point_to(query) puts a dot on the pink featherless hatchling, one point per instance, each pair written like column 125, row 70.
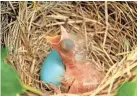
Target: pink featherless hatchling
column 80, row 76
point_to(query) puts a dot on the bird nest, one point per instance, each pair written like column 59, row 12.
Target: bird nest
column 108, row 28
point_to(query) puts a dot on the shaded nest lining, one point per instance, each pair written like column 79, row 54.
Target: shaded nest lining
column 108, row 28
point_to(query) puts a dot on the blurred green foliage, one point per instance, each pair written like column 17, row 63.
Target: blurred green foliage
column 128, row 88
column 10, row 83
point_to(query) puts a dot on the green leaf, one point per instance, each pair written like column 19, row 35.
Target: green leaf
column 128, row 88
column 10, row 83
column 4, row 52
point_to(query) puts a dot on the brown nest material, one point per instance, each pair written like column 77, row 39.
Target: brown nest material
column 109, row 28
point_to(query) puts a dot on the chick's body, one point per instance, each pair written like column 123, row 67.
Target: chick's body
column 52, row 69
column 80, row 77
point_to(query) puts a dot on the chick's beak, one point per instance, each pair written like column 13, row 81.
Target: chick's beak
column 57, row 38
column 53, row 39
column 64, row 33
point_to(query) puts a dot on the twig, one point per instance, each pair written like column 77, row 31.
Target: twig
column 106, row 31
column 31, row 89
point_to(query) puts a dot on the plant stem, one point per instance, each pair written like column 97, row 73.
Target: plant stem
column 31, row 89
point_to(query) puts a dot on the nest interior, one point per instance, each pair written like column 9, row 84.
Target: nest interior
column 108, row 28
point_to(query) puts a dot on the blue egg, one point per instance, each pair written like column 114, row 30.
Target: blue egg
column 52, row 69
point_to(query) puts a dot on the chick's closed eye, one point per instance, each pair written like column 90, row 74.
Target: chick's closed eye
column 67, row 45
